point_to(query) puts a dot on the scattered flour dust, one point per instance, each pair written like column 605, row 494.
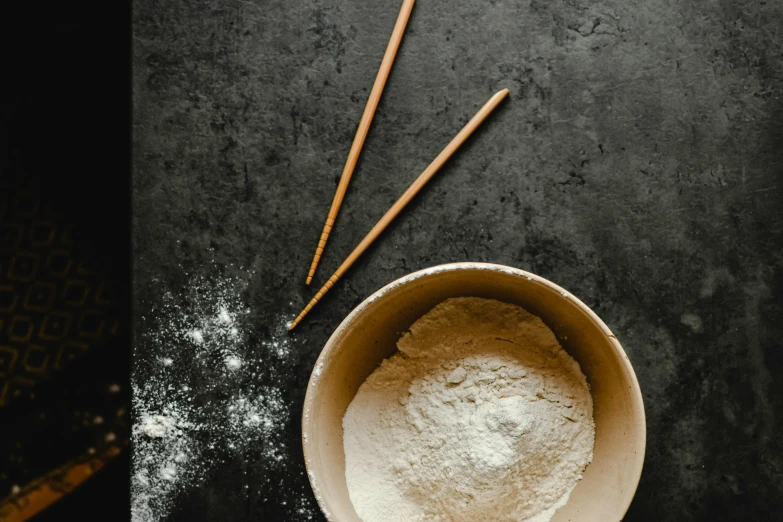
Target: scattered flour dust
column 203, row 396
column 157, row 426
column 233, row 362
column 482, row 415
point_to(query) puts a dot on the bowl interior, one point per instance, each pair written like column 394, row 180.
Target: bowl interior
column 370, row 333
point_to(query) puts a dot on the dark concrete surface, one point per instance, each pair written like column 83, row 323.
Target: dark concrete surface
column 637, row 163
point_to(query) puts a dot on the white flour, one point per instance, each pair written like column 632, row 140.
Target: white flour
column 482, row 415
column 207, row 396
column 233, row 362
column 157, row 426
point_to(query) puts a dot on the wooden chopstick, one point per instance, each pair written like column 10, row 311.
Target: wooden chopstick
column 408, row 195
column 361, row 132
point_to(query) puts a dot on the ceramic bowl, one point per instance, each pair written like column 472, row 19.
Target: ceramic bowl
column 369, row 335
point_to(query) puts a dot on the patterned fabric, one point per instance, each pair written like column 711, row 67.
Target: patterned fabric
column 63, row 395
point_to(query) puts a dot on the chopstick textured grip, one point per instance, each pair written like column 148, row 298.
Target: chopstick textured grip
column 320, row 249
column 329, row 284
column 364, row 127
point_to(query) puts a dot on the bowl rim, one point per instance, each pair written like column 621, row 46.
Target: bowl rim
column 453, row 267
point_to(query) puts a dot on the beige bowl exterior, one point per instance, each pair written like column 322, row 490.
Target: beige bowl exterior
column 369, row 335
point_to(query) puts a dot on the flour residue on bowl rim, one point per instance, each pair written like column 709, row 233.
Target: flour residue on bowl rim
column 319, row 368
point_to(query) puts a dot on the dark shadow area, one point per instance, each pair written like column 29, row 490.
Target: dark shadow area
column 65, row 257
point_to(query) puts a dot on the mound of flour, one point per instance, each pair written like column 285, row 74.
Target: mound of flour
column 481, row 415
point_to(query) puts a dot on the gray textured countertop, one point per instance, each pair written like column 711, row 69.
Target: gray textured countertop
column 637, row 163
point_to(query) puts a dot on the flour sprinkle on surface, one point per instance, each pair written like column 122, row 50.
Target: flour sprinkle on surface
column 202, row 395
